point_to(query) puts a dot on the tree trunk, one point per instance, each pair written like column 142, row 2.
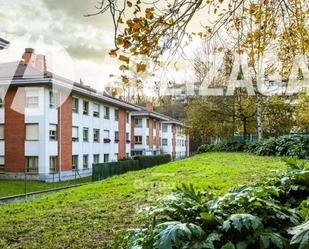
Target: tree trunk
column 259, row 118
column 245, row 128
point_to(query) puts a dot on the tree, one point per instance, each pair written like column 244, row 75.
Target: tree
column 245, row 27
column 302, row 113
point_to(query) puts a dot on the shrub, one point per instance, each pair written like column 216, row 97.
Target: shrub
column 105, row 170
column 281, row 146
column 265, row 215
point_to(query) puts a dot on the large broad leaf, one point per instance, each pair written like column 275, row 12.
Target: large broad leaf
column 175, row 234
column 241, row 222
column 206, row 244
column 228, row 245
column 270, row 239
column 301, row 236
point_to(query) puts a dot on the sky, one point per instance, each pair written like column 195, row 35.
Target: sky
column 76, row 47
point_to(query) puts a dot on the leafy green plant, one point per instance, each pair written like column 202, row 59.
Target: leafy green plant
column 266, row 215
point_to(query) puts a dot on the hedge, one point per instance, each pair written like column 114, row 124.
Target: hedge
column 297, row 146
column 104, row 170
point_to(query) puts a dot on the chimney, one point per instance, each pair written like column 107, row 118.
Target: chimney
column 37, row 61
column 29, row 57
column 40, row 62
column 149, row 106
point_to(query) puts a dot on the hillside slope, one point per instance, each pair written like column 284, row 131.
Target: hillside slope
column 89, row 216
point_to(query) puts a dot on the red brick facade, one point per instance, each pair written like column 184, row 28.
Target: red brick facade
column 150, row 125
column 122, row 133
column 14, row 132
column 158, row 125
column 65, row 135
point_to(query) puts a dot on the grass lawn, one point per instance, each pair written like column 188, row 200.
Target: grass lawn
column 89, row 216
column 15, row 187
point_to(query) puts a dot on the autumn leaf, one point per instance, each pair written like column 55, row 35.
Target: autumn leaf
column 141, row 67
column 123, row 68
column 129, row 4
column 124, row 58
column 113, row 53
column 149, row 13
column 125, row 79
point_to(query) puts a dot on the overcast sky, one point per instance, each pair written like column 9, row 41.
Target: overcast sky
column 76, row 46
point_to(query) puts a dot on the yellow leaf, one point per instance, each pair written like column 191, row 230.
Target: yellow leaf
column 125, row 79
column 113, row 53
column 124, row 58
column 141, row 67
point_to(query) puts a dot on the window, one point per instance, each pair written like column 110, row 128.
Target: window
column 127, row 136
column 1, row 132
column 85, row 107
column 106, row 158
column 147, row 140
column 85, row 134
column 75, row 136
column 32, row 164
column 138, row 122
column 138, row 139
column 116, row 136
column 106, row 133
column 1, row 164
column 96, row 110
column 128, row 117
column 52, row 102
column 164, row 128
column 32, row 132
column 85, row 162
column 154, row 124
column 52, row 164
column 116, row 115
column 106, row 112
column 32, row 102
column 75, row 162
column 96, row 158
column 75, row 105
column 1, row 100
column 96, row 135
column 147, row 123
column 53, row 132
column 164, row 142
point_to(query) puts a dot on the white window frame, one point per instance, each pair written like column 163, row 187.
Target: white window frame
column 53, row 168
column 85, row 104
column 32, row 101
column 106, row 112
column 2, row 132
column 138, row 123
column 96, row 110
column 75, row 105
column 52, row 100
column 53, row 132
column 86, row 162
column 96, row 158
column 96, row 135
column 75, row 137
column 74, row 166
column 163, row 142
column 85, row 138
column 30, row 137
column 138, row 141
column 34, row 160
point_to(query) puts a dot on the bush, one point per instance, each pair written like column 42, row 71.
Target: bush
column 297, row 146
column 105, row 170
column 267, row 215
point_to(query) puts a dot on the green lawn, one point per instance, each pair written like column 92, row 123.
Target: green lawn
column 15, row 187
column 89, row 216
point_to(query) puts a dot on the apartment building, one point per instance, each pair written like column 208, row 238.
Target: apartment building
column 154, row 133
column 53, row 128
